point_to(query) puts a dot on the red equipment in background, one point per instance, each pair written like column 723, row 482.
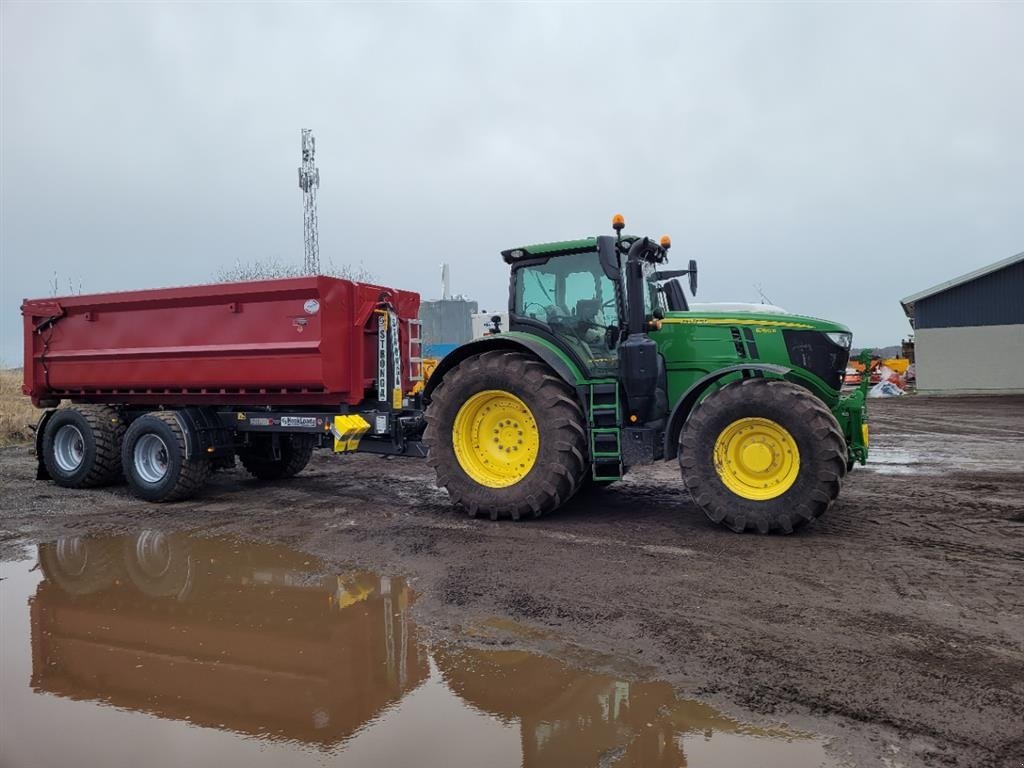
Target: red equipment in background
column 291, row 342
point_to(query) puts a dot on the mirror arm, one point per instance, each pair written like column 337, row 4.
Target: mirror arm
column 669, row 274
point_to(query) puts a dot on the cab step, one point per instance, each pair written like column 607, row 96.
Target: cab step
column 605, row 436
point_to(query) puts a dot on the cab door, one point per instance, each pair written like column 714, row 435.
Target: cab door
column 571, row 300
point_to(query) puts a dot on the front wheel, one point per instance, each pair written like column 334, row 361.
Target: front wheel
column 506, row 436
column 156, row 461
column 762, row 454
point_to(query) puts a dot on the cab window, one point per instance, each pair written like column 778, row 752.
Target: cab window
column 573, row 297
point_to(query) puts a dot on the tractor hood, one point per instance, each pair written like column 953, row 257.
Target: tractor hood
column 820, row 348
column 756, row 314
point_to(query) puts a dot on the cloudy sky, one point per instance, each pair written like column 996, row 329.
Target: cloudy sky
column 839, row 156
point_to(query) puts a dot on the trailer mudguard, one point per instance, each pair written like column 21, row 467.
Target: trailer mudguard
column 508, row 341
column 41, row 472
column 693, row 394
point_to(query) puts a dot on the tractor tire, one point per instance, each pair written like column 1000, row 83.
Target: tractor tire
column 296, row 451
column 154, row 459
column 489, row 408
column 81, row 446
column 762, row 454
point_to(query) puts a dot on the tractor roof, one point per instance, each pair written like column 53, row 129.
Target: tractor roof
column 542, row 250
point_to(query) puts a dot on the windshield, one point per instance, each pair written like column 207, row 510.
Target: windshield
column 653, row 297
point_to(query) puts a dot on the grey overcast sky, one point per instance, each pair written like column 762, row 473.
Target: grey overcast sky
column 840, row 156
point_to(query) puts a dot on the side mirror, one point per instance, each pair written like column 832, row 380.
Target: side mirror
column 691, row 270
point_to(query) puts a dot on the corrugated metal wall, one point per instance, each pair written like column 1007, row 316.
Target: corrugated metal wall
column 980, row 359
column 446, row 324
column 994, row 299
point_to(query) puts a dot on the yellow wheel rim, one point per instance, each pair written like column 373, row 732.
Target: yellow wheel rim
column 496, row 439
column 757, row 458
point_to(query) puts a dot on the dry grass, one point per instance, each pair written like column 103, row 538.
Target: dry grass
column 16, row 411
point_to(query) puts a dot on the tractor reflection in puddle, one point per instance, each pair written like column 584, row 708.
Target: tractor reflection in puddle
column 568, row 717
column 264, row 641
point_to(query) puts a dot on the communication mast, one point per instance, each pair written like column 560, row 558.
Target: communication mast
column 309, row 182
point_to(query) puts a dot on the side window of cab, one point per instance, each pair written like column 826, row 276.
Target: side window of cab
column 577, row 303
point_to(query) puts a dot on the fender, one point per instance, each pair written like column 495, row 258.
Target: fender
column 204, row 432
column 41, row 473
column 507, row 342
column 693, row 394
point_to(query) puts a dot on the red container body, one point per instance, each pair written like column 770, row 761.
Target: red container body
column 303, row 341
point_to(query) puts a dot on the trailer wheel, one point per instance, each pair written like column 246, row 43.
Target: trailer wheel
column 80, row 565
column 506, row 436
column 159, row 564
column 81, row 446
column 296, row 451
column 762, row 454
column 154, row 459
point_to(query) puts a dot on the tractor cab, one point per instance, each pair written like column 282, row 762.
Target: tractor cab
column 582, row 294
column 564, row 293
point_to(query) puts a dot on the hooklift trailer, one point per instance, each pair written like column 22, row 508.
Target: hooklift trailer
column 603, row 367
column 168, row 385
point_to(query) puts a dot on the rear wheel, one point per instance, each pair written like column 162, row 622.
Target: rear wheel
column 295, row 452
column 80, row 565
column 155, row 462
column 762, row 454
column 506, row 436
column 81, row 446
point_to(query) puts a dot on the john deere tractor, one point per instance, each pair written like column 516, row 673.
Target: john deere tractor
column 604, row 367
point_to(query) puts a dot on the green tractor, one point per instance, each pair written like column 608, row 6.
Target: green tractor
column 605, row 367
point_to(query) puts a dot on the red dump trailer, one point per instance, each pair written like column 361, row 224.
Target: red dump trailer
column 167, row 385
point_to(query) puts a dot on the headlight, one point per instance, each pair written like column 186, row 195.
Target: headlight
column 842, row 339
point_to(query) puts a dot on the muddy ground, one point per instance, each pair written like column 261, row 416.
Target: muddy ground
column 894, row 626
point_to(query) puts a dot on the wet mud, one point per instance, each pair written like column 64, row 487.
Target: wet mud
column 625, row 630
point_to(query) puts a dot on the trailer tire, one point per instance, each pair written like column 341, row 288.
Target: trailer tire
column 154, row 459
column 159, row 564
column 296, row 451
column 762, row 454
column 81, row 446
column 531, row 401
column 80, row 565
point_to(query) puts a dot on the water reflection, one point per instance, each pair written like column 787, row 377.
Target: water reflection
column 255, row 639
column 567, row 717
column 262, row 641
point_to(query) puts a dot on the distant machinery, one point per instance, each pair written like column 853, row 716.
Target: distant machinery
column 309, row 182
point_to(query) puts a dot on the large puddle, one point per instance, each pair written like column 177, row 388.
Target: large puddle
column 937, row 454
column 165, row 650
